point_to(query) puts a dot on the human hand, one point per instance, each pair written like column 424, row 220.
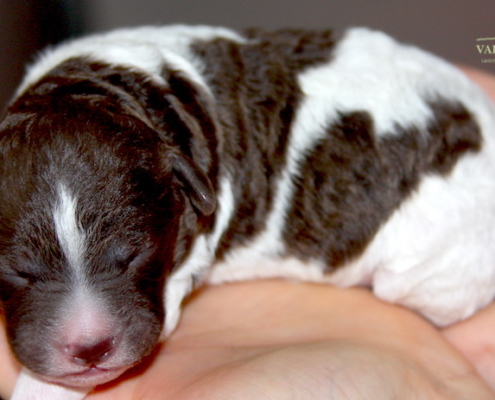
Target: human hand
column 280, row 340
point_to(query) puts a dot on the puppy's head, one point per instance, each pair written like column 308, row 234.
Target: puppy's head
column 91, row 204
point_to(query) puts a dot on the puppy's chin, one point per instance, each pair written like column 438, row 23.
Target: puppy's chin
column 86, row 379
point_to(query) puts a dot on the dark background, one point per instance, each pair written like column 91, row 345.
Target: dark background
column 446, row 27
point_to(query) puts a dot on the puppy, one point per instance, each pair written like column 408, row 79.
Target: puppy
column 138, row 164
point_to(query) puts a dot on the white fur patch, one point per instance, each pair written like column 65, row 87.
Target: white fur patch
column 368, row 72
column 71, row 237
column 29, row 387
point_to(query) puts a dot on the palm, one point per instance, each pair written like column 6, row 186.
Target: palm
column 275, row 340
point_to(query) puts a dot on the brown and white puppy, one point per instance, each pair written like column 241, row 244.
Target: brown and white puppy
column 140, row 163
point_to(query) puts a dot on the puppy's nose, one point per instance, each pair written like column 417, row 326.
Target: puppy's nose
column 88, row 354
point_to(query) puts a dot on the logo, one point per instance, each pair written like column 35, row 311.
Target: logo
column 486, row 48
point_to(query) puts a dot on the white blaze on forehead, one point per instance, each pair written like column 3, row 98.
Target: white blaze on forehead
column 71, row 237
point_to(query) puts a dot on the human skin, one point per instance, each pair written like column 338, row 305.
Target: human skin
column 281, row 340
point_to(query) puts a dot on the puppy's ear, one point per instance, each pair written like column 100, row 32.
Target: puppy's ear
column 189, row 131
column 195, row 183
